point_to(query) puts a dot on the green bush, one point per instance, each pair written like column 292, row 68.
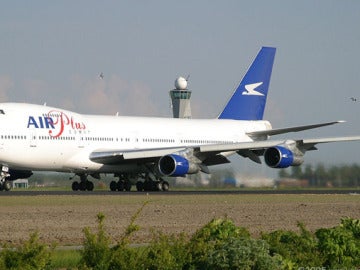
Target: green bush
column 335, row 248
column 340, row 246
column 126, row 258
column 123, row 256
column 242, row 253
column 296, row 249
column 209, row 237
column 166, row 252
column 163, row 252
column 96, row 253
column 31, row 255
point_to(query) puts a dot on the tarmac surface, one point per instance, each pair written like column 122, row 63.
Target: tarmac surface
column 183, row 192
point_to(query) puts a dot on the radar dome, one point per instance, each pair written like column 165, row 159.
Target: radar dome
column 180, row 83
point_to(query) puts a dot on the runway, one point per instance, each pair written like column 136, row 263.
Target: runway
column 182, row 192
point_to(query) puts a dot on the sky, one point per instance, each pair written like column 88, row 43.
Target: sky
column 53, row 52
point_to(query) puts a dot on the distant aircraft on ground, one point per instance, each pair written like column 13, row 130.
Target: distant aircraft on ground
column 142, row 150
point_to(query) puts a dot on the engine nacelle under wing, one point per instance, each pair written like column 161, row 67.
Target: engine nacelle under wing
column 282, row 157
column 175, row 165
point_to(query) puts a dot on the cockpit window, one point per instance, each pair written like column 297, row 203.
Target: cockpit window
column 2, row 111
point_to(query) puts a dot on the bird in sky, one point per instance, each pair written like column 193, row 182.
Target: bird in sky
column 101, row 75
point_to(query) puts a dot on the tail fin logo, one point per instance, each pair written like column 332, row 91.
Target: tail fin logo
column 249, row 98
column 250, row 89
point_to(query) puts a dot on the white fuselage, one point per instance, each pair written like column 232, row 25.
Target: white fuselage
column 35, row 137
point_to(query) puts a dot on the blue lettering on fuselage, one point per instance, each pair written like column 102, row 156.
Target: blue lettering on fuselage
column 40, row 122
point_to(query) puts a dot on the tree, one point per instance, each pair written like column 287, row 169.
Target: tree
column 283, row 173
column 296, row 172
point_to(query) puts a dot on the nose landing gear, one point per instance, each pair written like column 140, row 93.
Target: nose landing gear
column 4, row 184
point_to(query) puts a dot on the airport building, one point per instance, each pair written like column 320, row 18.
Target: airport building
column 20, row 183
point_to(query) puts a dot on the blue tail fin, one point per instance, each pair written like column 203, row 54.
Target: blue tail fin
column 249, row 99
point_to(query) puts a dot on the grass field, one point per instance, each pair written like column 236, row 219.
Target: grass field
column 65, row 259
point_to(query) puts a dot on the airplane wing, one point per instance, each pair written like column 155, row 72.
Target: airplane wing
column 209, row 154
column 113, row 157
column 278, row 131
column 309, row 144
column 305, row 144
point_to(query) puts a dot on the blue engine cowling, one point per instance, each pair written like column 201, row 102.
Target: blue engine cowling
column 175, row 165
column 281, row 157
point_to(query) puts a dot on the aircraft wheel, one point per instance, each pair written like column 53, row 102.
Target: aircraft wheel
column 147, row 185
column 157, row 186
column 165, row 186
column 127, row 185
column 139, row 186
column 89, row 186
column 120, row 186
column 113, row 186
column 75, row 186
column 7, row 185
column 82, row 186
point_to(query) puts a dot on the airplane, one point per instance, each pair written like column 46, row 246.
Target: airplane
column 143, row 150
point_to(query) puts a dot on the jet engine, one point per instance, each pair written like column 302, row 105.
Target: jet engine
column 175, row 165
column 283, row 157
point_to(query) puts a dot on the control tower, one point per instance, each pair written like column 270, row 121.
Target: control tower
column 180, row 99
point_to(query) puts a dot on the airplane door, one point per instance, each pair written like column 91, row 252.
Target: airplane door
column 80, row 140
column 136, row 140
column 33, row 138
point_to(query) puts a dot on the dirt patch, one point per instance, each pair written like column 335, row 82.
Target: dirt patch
column 61, row 219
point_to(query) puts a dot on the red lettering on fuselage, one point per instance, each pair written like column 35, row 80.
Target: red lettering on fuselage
column 61, row 121
column 56, row 122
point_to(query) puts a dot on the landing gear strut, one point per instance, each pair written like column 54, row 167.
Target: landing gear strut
column 83, row 185
column 4, row 184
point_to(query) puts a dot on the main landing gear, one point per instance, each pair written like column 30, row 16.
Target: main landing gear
column 83, row 185
column 123, row 184
column 149, row 184
column 152, row 185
